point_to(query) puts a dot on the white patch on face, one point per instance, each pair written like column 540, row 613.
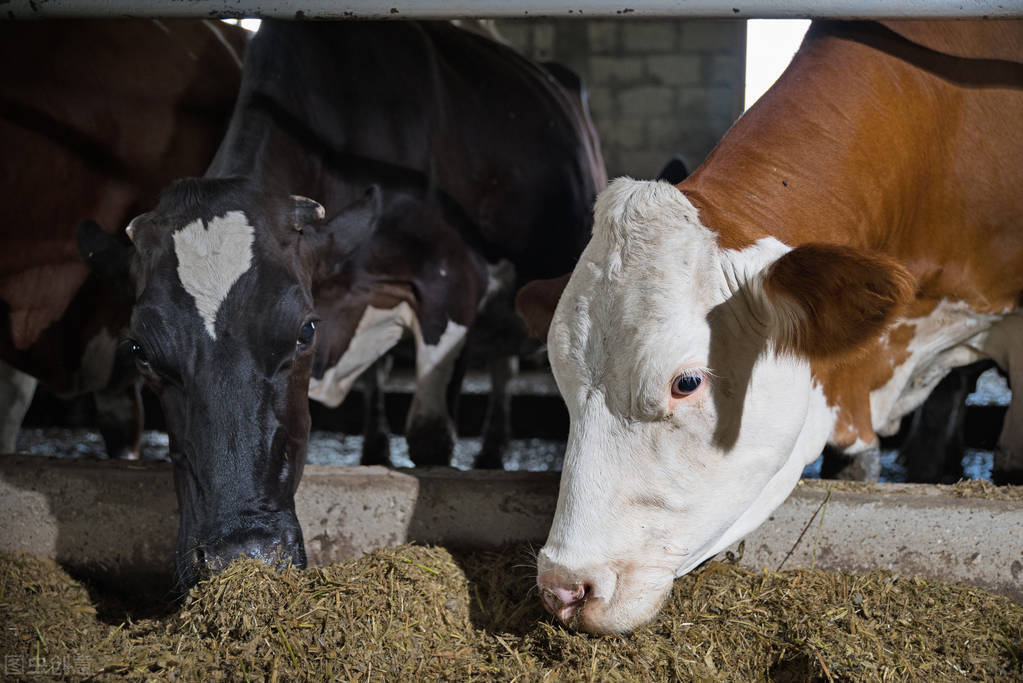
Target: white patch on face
column 650, row 488
column 211, row 259
column 378, row 331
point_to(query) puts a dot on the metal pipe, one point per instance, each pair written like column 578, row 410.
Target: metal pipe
column 508, row 9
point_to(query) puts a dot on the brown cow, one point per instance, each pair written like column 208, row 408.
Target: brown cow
column 854, row 236
column 96, row 117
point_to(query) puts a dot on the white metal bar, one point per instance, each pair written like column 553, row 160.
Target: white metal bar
column 506, row 9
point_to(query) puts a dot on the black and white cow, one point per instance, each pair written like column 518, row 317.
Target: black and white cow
column 431, row 153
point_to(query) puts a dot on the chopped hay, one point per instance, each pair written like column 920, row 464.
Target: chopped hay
column 964, row 488
column 982, row 488
column 414, row 612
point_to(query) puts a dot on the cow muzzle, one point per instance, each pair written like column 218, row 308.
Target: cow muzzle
column 602, row 600
column 280, row 546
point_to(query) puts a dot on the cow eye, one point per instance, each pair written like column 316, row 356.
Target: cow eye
column 306, row 334
column 140, row 355
column 685, row 384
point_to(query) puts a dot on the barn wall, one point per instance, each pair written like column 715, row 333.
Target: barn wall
column 657, row 87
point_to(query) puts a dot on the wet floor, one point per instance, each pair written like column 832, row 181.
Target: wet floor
column 344, row 450
column 532, row 454
column 325, row 448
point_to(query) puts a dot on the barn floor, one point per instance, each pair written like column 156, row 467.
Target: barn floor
column 344, row 450
column 60, row 429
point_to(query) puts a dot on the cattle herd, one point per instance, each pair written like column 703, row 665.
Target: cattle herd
column 244, row 224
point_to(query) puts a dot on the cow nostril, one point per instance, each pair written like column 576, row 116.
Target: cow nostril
column 565, row 600
column 199, row 557
column 573, row 594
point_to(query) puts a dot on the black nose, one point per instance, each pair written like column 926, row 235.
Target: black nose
column 279, row 549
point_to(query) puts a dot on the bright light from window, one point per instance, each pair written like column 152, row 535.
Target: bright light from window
column 770, row 44
column 247, row 24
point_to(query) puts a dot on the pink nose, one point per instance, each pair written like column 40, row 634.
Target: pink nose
column 562, row 600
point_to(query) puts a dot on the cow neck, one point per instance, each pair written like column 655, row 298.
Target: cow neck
column 866, row 140
column 801, row 166
column 258, row 148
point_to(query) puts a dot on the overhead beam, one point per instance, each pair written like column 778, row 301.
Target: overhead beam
column 509, row 9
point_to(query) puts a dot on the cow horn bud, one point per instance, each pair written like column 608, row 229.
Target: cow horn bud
column 306, row 211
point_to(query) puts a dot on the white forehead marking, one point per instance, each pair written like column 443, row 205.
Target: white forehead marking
column 211, row 259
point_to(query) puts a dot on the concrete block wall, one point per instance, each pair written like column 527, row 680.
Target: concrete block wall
column 657, row 87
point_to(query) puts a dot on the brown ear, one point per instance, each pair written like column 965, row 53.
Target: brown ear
column 536, row 301
column 831, row 299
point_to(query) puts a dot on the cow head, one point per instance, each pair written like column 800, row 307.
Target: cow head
column 686, row 371
column 223, row 330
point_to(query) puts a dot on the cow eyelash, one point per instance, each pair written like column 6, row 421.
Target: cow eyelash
column 148, row 367
column 687, row 382
column 138, row 352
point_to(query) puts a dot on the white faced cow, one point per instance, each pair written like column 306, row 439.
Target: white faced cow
column 852, row 238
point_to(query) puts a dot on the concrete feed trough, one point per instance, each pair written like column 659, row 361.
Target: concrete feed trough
column 119, row 520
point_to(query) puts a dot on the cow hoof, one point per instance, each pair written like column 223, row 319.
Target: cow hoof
column 430, row 443
column 376, row 450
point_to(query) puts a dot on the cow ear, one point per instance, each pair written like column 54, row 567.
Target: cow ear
column 357, row 221
column 104, row 253
column 535, row 304
column 334, row 241
column 829, row 299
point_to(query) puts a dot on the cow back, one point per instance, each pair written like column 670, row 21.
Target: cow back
column 425, row 108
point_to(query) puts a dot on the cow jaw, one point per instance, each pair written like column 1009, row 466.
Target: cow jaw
column 651, row 485
column 642, row 503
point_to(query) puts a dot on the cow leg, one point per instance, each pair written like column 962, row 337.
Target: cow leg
column 497, row 423
column 1006, row 346
column 376, row 443
column 429, row 429
column 862, row 466
column 933, row 450
column 1008, row 460
column 16, row 391
column 119, row 416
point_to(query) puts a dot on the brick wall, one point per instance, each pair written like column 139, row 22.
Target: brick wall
column 657, row 87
